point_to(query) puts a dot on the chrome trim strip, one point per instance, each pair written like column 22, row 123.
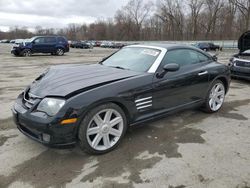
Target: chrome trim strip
column 238, row 59
column 158, row 60
column 142, row 103
column 143, row 99
column 202, row 73
column 146, row 106
column 241, row 66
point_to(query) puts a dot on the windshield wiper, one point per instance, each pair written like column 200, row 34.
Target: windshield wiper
column 118, row 67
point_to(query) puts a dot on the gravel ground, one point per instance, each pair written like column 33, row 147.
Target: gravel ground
column 190, row 149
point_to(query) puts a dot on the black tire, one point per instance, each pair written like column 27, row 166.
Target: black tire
column 206, row 107
column 82, row 132
column 59, row 52
column 26, row 53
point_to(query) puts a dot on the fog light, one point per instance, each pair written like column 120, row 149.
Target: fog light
column 46, row 137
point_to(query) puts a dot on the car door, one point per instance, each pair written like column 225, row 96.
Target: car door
column 50, row 45
column 186, row 86
column 38, row 45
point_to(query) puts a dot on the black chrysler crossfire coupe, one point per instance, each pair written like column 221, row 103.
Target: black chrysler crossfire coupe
column 94, row 104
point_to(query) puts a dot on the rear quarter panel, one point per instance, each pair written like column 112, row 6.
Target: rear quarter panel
column 219, row 71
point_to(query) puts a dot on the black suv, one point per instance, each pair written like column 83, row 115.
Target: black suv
column 56, row 45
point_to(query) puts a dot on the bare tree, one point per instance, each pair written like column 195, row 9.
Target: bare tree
column 213, row 8
column 124, row 25
column 195, row 7
column 138, row 11
column 227, row 21
column 171, row 14
column 244, row 8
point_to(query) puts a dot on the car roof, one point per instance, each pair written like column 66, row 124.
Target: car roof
column 167, row 46
column 48, row 36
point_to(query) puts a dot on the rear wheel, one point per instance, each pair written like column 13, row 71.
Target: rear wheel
column 59, row 51
column 215, row 97
column 102, row 129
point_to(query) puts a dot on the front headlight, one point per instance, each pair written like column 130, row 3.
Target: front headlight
column 50, row 106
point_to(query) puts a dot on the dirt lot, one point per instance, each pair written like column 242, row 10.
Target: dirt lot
column 190, row 149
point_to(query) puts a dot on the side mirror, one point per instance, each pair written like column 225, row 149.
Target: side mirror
column 215, row 58
column 171, row 67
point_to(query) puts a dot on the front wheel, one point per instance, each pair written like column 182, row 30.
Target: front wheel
column 215, row 97
column 102, row 129
column 26, row 53
column 59, row 51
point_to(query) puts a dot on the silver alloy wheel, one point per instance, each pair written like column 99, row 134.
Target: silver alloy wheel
column 60, row 51
column 105, row 129
column 216, row 97
column 27, row 53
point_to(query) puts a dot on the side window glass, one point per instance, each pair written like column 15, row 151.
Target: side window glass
column 61, row 40
column 184, row 57
column 39, row 41
column 192, row 57
column 171, row 57
column 50, row 40
column 202, row 57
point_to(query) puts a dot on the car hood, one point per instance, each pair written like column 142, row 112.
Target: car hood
column 244, row 42
column 68, row 80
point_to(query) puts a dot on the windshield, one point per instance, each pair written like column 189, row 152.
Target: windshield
column 138, row 59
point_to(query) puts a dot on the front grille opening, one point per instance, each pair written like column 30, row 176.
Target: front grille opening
column 243, row 64
column 29, row 101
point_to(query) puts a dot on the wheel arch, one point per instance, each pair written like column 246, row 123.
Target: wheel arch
column 98, row 103
column 225, row 81
column 60, row 47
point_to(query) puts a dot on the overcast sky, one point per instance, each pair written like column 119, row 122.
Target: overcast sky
column 55, row 13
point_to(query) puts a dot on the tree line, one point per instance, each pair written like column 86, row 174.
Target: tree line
column 163, row 20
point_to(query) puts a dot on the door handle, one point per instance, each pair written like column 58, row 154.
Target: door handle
column 202, row 73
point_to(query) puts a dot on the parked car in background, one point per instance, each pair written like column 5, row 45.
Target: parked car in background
column 80, row 44
column 98, row 43
column 5, row 41
column 214, row 47
column 202, row 45
column 72, row 44
column 207, row 46
column 105, row 44
column 94, row 104
column 56, row 45
column 240, row 63
column 118, row 45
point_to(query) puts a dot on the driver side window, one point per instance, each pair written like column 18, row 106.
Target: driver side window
column 183, row 57
column 39, row 41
